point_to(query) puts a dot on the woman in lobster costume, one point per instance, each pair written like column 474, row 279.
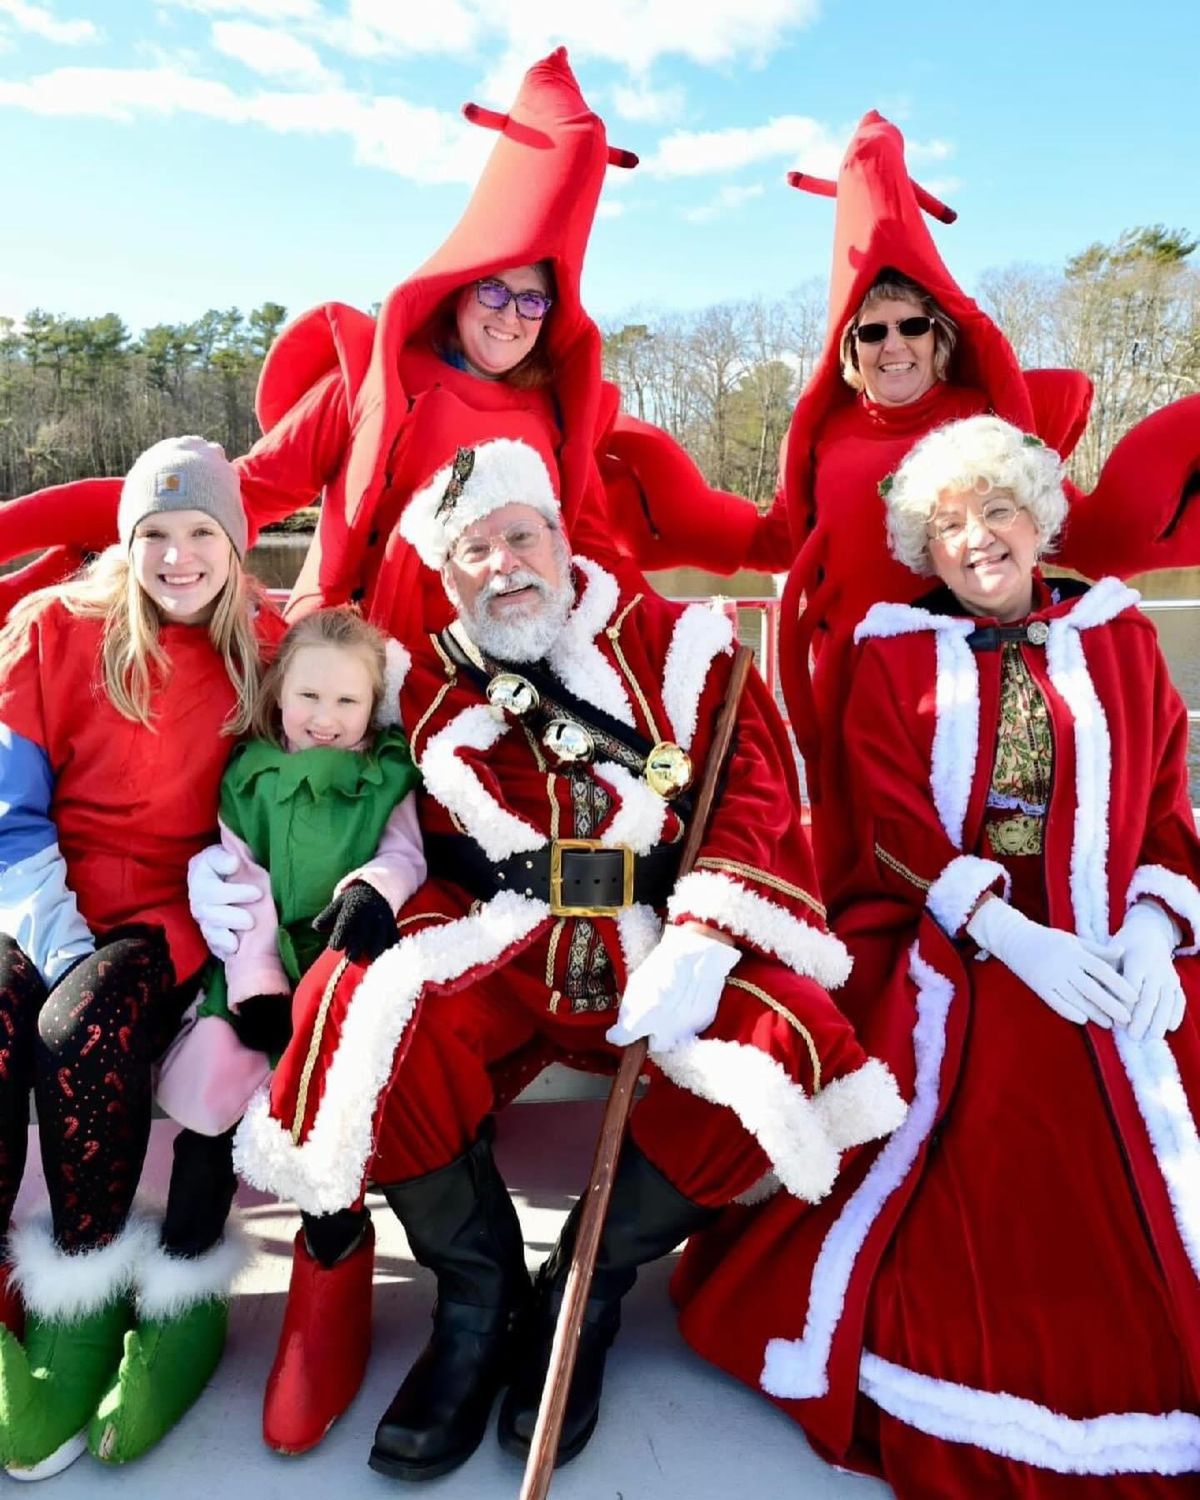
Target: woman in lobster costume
column 843, row 440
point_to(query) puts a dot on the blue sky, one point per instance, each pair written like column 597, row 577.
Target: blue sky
column 165, row 156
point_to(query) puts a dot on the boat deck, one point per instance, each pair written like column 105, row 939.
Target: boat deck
column 671, row 1426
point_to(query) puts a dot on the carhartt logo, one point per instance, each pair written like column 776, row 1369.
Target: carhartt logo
column 169, row 483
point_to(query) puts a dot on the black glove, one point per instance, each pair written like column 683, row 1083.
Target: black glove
column 359, row 923
column 263, row 1022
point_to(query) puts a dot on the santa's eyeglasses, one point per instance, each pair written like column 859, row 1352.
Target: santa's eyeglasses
column 495, row 296
column 907, row 328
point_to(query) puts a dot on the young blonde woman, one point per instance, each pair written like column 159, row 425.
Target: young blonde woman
column 121, row 693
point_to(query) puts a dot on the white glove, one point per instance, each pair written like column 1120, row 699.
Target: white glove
column 1076, row 978
column 217, row 903
column 673, row 994
column 1148, row 939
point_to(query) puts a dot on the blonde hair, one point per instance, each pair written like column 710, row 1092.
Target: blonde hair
column 893, row 286
column 338, row 626
column 976, row 455
column 130, row 652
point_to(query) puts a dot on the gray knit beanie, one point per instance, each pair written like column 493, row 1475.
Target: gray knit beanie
column 184, row 473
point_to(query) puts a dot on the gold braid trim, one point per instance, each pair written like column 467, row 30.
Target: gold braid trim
column 314, row 1048
column 781, row 1010
column 424, row 916
column 893, row 863
column 613, row 632
column 451, row 676
column 763, row 877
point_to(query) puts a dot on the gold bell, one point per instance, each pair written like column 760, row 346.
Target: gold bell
column 512, row 694
column 668, row 770
column 567, row 741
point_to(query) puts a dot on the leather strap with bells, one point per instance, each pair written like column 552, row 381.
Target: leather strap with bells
column 571, row 731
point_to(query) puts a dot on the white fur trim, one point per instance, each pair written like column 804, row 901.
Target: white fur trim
column 506, row 471
column 701, row 634
column 1104, row 601
column 576, row 659
column 1154, row 1076
column 1176, row 892
column 396, row 664
column 1116, row 1443
column 63, row 1286
column 956, row 735
column 452, row 782
column 800, row 1367
column 640, row 812
column 325, row 1172
column 861, row 1106
column 638, row 929
column 711, row 897
column 1067, row 667
column 953, row 895
column 768, row 1101
column 168, row 1285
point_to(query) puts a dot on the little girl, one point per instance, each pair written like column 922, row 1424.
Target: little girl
column 315, row 810
column 120, row 694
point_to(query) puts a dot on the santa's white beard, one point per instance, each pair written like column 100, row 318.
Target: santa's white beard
column 523, row 635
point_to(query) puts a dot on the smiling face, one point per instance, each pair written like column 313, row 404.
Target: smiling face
column 989, row 571
column 512, row 603
column 326, row 698
column 898, row 370
column 495, row 342
column 181, row 559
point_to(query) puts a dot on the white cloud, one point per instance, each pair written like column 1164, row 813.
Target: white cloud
column 935, row 150
column 727, row 198
column 261, row 10
column 383, row 28
column 270, row 51
column 798, row 140
column 608, row 208
column 424, row 145
column 39, row 21
column 642, row 104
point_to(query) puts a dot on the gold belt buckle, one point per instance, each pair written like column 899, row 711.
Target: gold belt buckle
column 562, row 909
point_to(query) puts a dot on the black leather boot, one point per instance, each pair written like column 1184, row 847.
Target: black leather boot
column 647, row 1218
column 461, row 1224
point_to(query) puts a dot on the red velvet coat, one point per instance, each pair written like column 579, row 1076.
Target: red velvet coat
column 1014, row 1279
column 662, row 669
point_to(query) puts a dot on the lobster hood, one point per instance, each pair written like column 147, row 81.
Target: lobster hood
column 880, row 223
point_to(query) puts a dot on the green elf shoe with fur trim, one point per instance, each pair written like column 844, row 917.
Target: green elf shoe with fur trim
column 183, row 1314
column 78, row 1312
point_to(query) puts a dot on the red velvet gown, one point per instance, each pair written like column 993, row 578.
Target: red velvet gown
column 1004, row 1299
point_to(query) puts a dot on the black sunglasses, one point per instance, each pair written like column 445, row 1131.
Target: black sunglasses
column 907, row 328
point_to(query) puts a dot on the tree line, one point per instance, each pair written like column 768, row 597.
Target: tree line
column 83, row 396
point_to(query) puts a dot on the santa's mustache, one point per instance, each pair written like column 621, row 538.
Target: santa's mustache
column 520, row 578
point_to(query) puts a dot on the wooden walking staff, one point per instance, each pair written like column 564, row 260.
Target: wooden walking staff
column 539, row 1467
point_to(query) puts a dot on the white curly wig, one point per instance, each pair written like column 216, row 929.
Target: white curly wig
column 978, row 454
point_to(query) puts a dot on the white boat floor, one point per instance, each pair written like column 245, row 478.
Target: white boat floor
column 672, row 1426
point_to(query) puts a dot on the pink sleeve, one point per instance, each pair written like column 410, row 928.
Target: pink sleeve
column 398, row 865
column 255, row 968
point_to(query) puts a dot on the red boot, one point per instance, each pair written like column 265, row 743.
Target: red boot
column 323, row 1348
column 12, row 1309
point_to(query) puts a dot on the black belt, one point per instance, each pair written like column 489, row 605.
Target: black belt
column 578, row 877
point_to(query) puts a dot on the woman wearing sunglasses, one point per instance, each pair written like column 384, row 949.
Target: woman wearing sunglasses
column 1004, row 1300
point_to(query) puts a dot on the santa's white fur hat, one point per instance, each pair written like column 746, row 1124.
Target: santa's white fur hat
column 503, row 472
